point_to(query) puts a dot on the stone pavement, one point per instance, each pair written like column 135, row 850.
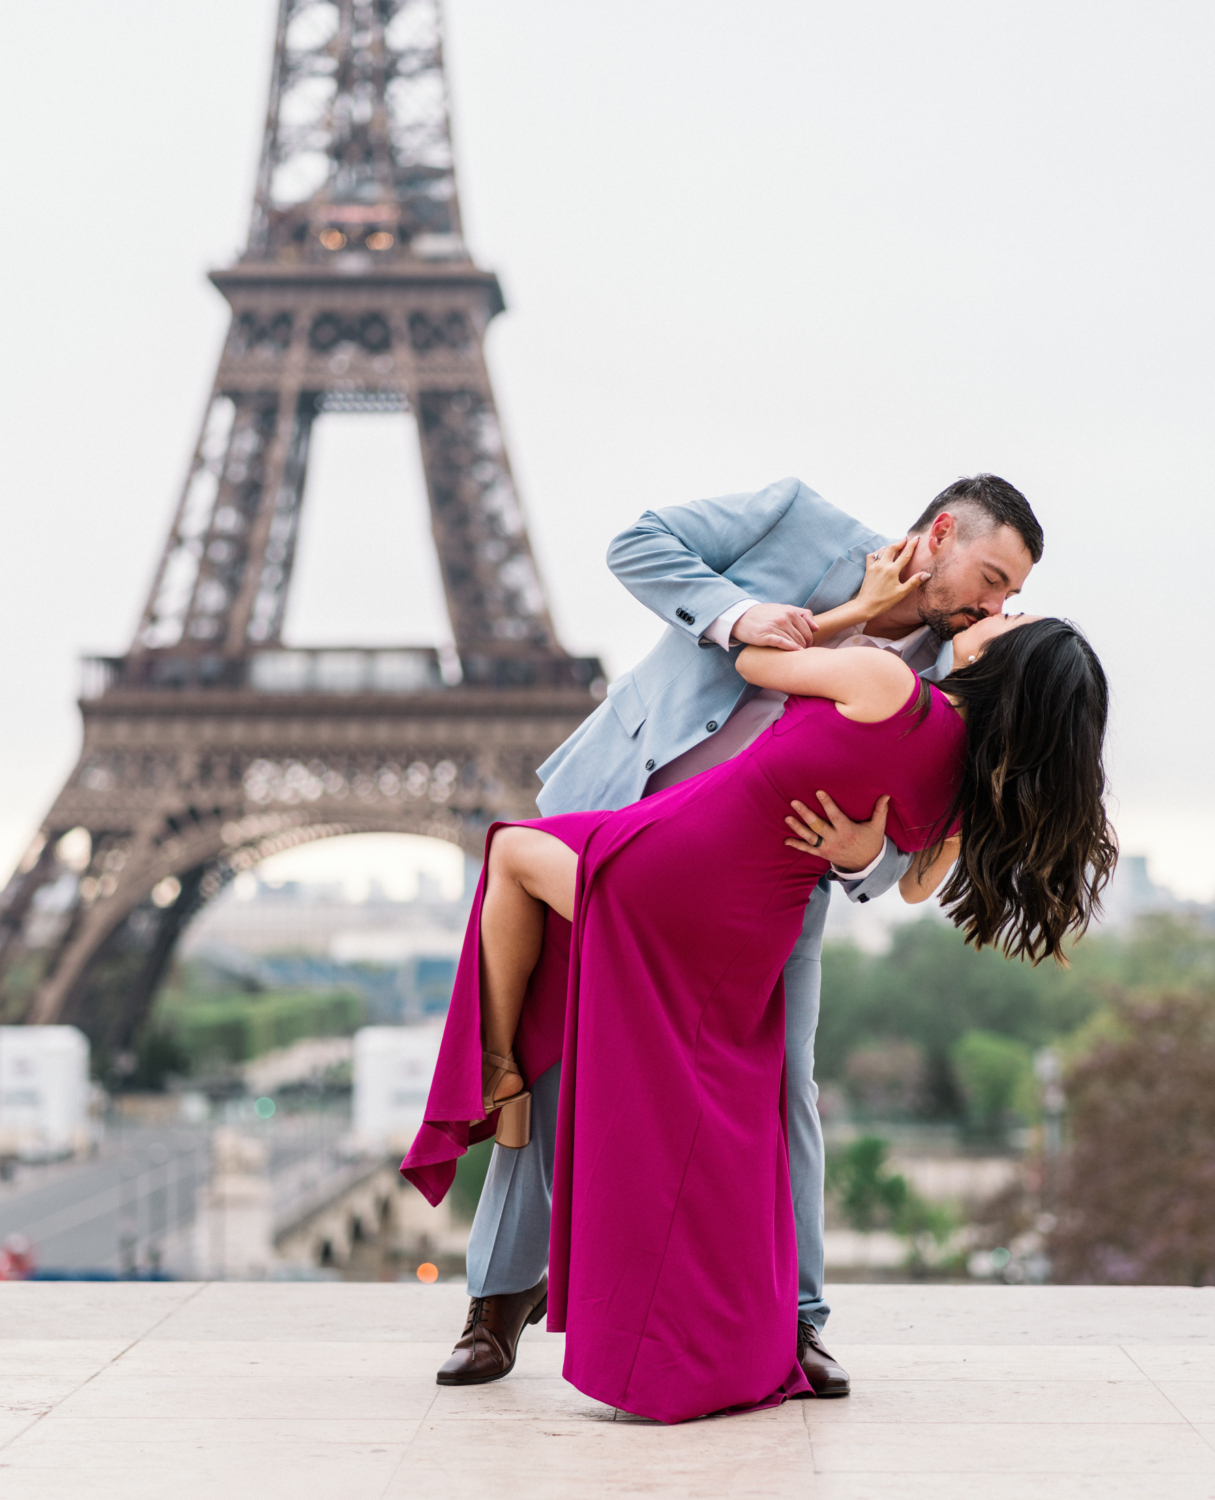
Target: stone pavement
column 256, row 1391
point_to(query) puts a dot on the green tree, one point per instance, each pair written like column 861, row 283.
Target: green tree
column 931, row 989
column 1163, row 953
column 1138, row 1180
column 218, row 1029
column 995, row 1076
column 886, row 1080
column 871, row 1196
column 159, row 1056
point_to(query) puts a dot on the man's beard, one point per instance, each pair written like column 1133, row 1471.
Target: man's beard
column 944, row 623
column 939, row 612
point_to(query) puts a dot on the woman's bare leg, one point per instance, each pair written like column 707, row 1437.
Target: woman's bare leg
column 528, row 870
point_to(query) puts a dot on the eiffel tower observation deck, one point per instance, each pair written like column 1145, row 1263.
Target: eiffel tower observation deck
column 211, row 744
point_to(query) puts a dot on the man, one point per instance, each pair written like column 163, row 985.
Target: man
column 740, row 569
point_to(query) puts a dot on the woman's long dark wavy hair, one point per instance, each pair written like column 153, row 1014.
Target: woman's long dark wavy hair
column 1036, row 846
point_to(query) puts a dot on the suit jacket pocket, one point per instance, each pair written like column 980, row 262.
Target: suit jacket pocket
column 627, row 703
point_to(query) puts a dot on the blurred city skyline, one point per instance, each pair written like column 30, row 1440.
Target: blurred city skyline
column 877, row 248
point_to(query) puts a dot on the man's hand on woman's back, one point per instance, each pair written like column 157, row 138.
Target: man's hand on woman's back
column 832, row 835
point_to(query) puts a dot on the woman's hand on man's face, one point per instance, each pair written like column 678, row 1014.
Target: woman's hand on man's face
column 882, row 588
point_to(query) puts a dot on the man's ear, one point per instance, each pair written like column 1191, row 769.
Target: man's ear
column 941, row 530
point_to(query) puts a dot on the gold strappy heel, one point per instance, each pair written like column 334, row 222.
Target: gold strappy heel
column 514, row 1129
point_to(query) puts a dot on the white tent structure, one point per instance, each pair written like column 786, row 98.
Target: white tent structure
column 393, row 1068
column 44, row 1091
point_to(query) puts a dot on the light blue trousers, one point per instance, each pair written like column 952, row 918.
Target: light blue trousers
column 508, row 1248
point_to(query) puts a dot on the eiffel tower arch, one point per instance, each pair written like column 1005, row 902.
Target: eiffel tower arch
column 211, row 744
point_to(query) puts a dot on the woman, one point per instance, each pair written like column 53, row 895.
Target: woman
column 671, row 1189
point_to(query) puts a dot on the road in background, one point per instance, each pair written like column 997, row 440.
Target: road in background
column 116, row 1211
column 131, row 1207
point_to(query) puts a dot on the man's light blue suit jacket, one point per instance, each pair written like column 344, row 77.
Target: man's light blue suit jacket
column 689, row 563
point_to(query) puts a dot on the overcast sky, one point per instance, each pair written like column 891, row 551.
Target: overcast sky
column 876, row 245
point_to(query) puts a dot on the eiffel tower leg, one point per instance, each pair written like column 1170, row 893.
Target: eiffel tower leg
column 257, row 611
column 493, row 591
column 107, row 907
column 36, row 870
column 150, row 949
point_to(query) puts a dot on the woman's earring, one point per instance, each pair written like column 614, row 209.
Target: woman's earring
column 970, row 658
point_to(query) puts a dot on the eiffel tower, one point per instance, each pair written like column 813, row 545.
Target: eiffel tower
column 211, row 745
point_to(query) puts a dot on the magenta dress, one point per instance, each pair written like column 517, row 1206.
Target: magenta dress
column 673, row 1262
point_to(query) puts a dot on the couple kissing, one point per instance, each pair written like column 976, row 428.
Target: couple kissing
column 634, row 1012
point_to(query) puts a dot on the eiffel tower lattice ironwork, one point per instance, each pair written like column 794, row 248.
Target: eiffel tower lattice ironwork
column 210, row 745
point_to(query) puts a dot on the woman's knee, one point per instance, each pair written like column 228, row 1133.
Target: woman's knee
column 540, row 864
column 511, row 853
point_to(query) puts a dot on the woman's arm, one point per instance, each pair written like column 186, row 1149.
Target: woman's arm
column 922, row 879
column 867, row 685
column 881, row 589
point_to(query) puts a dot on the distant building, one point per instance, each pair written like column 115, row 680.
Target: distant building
column 400, row 955
column 1132, row 893
column 393, row 1068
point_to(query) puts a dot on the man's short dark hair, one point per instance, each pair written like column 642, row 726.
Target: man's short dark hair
column 999, row 502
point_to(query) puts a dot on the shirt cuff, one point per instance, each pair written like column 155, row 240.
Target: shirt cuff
column 719, row 631
column 864, row 874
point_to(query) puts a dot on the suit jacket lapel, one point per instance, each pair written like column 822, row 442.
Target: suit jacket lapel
column 943, row 666
column 841, row 581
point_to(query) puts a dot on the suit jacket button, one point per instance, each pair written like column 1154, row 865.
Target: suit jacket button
column 711, row 725
column 649, row 765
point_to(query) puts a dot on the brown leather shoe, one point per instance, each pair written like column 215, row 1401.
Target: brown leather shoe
column 826, row 1376
column 486, row 1350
